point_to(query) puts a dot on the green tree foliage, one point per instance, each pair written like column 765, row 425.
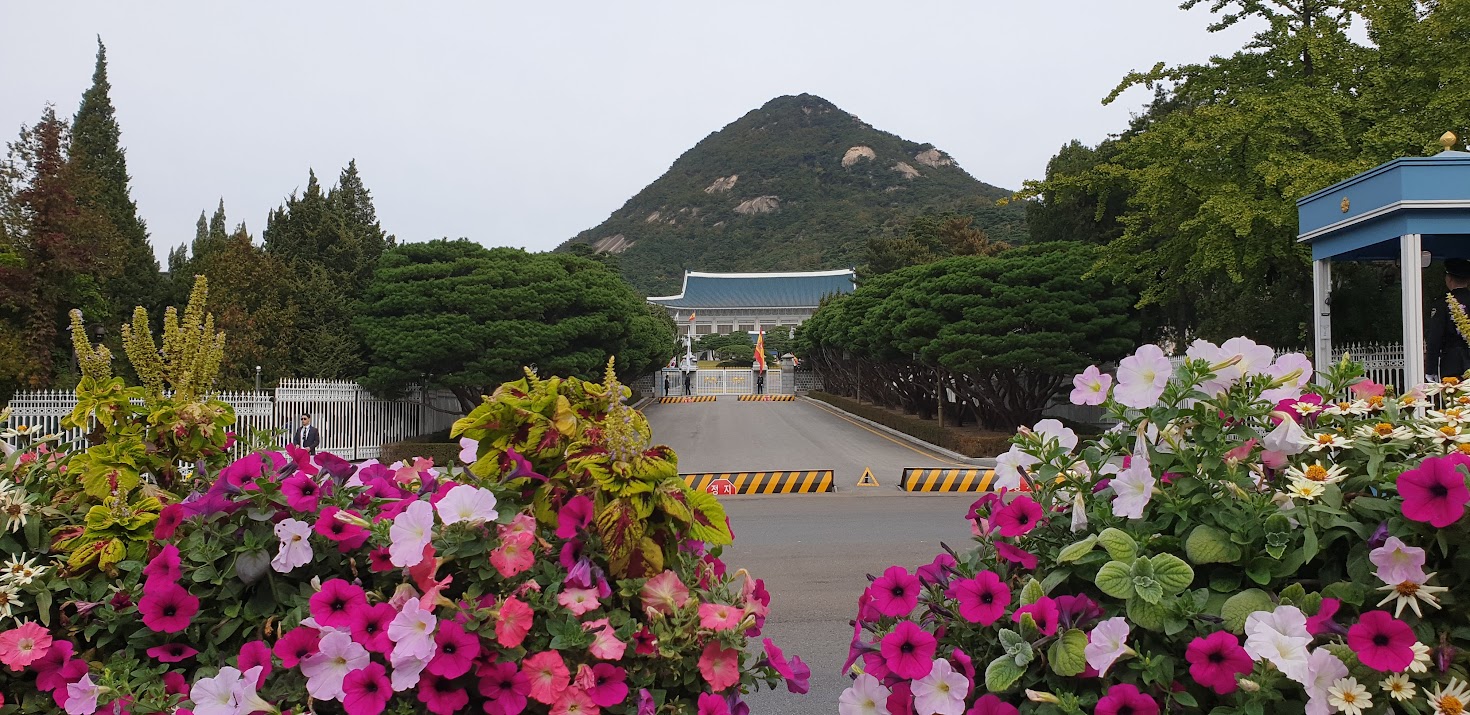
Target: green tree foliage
column 1003, row 333
column 928, row 239
column 56, row 253
column 101, row 162
column 468, row 318
column 1211, row 173
column 791, row 148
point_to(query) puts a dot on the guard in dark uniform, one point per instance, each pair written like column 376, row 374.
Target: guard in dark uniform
column 688, row 379
column 1446, row 354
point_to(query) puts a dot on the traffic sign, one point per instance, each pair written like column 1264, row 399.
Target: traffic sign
column 868, row 479
column 721, row 486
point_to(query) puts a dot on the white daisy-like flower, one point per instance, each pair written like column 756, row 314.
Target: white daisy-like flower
column 1447, row 436
column 1384, row 432
column 1325, row 440
column 1450, row 699
column 1398, row 687
column 1414, row 399
column 1306, row 490
column 1410, row 593
column 1317, row 473
column 21, row 572
column 1356, row 408
column 1449, row 416
column 1306, row 408
column 1421, row 658
column 15, row 506
column 9, row 599
column 1349, row 696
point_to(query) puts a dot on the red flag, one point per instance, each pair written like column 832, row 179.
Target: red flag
column 760, row 349
column 691, row 317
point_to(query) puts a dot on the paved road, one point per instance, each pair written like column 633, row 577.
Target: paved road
column 813, row 550
column 732, row 436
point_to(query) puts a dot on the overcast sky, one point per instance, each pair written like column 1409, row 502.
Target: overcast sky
column 524, row 123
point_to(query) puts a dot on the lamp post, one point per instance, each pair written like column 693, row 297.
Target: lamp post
column 257, row 378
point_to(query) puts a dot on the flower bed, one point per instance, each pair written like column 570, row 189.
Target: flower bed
column 1245, row 542
column 567, row 570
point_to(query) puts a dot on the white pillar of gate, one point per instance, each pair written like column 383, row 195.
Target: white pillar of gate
column 1412, row 277
column 1322, row 314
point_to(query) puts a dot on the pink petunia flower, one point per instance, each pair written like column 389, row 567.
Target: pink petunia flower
column 574, row 701
column 1382, row 642
column 1107, row 643
column 908, row 651
column 50, row 666
column 514, row 555
column 513, row 623
column 370, row 627
column 1323, row 622
column 81, row 696
column 609, row 685
column 19, row 647
column 379, row 561
column 1435, row 491
column 896, row 592
column 1090, row 387
column 982, row 599
column 942, row 691
column 168, row 521
column 1215, row 661
column 505, row 686
column 327, row 669
column 579, row 600
column 1398, row 562
column 337, row 603
column 989, row 704
column 795, row 672
column 349, row 537
column 167, row 608
column 469, row 450
column 256, row 654
column 719, row 616
column 1124, row 699
column 366, row 691
column 605, row 643
column 464, row 503
column 298, row 643
column 303, row 494
column 547, row 674
column 1044, row 612
column 165, row 566
column 407, row 670
column 295, row 549
column 411, row 532
column 174, row 683
column 1016, row 555
column 171, row 652
column 574, row 516
column 719, row 666
column 1142, row 377
column 412, row 631
column 664, row 593
column 711, row 704
column 442, row 696
column 1019, row 517
column 456, row 653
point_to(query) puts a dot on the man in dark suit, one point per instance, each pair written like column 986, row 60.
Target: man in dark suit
column 1446, row 352
column 306, row 436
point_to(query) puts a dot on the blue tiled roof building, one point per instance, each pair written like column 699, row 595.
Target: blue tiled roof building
column 731, row 302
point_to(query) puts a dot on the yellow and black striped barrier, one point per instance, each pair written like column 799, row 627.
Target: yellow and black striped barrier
column 812, row 481
column 767, row 398
column 973, row 479
column 686, row 398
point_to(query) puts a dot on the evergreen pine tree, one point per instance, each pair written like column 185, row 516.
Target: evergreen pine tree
column 102, row 183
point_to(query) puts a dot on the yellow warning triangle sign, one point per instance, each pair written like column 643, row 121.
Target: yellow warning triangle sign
column 867, row 480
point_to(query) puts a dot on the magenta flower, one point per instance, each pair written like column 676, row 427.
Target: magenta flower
column 1044, row 612
column 167, row 607
column 988, row 704
column 1323, row 621
column 256, row 654
column 896, row 592
column 1124, row 699
column 348, row 536
column 367, row 690
column 303, row 493
column 982, row 599
column 1016, row 555
column 719, row 616
column 1216, row 659
column 168, row 521
column 442, row 696
column 609, row 685
column 937, row 571
column 379, row 561
column 336, row 604
column 797, row 674
column 574, row 516
column 457, row 651
column 336, row 466
column 909, row 651
column 370, row 627
column 165, row 566
column 1435, row 491
column 1398, row 562
column 1382, row 642
column 298, row 643
column 711, row 704
column 49, row 667
column 1018, row 517
column 505, row 686
column 170, row 652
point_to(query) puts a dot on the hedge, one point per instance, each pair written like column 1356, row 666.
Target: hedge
column 441, row 452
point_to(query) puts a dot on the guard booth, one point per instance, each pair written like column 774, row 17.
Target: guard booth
column 1412, row 209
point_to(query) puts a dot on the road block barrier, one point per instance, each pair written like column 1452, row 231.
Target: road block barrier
column 767, row 398
column 924, row 479
column 686, row 398
column 811, row 481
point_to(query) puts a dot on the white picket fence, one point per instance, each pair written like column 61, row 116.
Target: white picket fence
column 353, row 424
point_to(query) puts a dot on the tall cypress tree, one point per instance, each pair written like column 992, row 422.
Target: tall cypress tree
column 102, row 168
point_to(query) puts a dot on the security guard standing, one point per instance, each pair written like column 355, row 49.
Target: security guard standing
column 1446, row 351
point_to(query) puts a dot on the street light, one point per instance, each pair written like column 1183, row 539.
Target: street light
column 257, row 378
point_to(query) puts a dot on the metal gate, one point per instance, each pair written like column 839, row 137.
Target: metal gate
column 722, row 381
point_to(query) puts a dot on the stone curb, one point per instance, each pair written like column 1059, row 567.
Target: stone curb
column 988, row 462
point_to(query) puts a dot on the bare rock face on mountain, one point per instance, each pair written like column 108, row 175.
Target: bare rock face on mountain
column 814, row 184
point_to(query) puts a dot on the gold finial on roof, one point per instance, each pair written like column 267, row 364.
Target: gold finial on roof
column 1447, row 140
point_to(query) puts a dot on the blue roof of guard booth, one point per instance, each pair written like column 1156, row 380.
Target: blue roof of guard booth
column 1358, row 218
column 758, row 290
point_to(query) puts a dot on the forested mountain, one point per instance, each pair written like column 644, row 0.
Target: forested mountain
column 798, row 184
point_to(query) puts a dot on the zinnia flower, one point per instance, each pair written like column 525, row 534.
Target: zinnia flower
column 1124, row 699
column 167, row 608
column 1019, row 517
column 547, row 674
column 1435, row 491
column 1382, row 642
column 1215, row 661
column 1106, row 644
column 1091, row 387
column 909, row 650
column 942, row 691
column 336, row 603
column 982, row 599
column 1349, row 697
column 1142, row 377
column 1450, row 699
column 896, row 592
column 1398, row 687
column 866, row 696
column 1323, row 669
column 19, row 647
column 367, row 690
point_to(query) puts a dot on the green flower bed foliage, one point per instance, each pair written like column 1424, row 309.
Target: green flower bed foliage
column 1247, row 541
column 440, row 452
column 970, row 445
